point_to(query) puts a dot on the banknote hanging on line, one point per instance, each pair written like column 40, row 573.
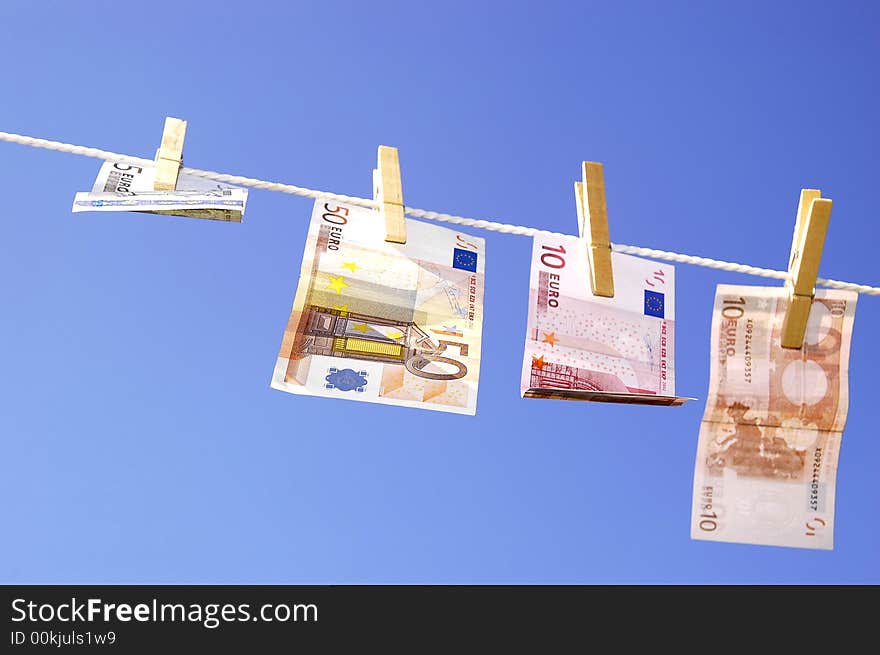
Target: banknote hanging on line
column 126, row 187
column 585, row 347
column 766, row 465
column 399, row 324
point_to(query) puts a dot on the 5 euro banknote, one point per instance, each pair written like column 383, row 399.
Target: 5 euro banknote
column 123, row 186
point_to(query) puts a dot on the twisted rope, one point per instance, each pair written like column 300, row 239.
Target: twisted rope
column 414, row 212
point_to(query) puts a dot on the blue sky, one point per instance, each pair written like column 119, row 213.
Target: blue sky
column 139, row 439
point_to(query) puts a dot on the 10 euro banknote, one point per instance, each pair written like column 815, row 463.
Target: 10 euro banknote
column 122, row 186
column 383, row 322
column 766, row 467
column 585, row 347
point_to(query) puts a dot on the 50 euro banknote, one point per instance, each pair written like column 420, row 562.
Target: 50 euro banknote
column 585, row 347
column 382, row 322
column 123, row 186
column 766, row 466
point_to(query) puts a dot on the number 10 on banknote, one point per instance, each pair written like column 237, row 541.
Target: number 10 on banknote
column 585, row 347
column 383, row 322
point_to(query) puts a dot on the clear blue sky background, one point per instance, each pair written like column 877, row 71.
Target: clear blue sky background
column 139, row 439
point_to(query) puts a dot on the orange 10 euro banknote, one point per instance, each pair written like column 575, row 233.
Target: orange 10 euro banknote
column 766, row 467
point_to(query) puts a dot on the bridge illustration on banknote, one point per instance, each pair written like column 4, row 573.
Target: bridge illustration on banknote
column 334, row 332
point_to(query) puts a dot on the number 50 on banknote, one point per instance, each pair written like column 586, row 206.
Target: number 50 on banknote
column 382, row 322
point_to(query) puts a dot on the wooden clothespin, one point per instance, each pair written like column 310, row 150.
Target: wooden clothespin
column 388, row 192
column 813, row 215
column 169, row 157
column 593, row 227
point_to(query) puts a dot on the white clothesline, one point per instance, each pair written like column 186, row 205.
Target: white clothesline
column 430, row 215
